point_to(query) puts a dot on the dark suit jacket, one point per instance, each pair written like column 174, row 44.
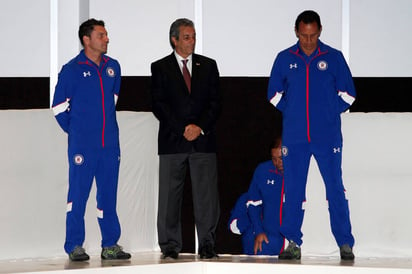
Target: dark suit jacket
column 175, row 107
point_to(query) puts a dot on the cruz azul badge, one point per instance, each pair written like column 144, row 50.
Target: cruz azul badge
column 322, row 65
column 78, row 159
column 110, row 72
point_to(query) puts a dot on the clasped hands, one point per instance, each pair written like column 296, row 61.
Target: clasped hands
column 192, row 131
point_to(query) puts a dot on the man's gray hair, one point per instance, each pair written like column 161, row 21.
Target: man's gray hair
column 175, row 28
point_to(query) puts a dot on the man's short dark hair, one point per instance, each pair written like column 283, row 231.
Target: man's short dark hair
column 307, row 17
column 276, row 143
column 86, row 28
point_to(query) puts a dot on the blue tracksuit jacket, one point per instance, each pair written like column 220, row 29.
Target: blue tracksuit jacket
column 311, row 92
column 260, row 210
column 84, row 102
column 265, row 205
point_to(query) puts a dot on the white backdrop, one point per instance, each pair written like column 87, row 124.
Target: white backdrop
column 377, row 37
column 33, row 178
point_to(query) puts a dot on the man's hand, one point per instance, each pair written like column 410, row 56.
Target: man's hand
column 259, row 240
column 192, row 131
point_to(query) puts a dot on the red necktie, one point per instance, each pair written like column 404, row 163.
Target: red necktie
column 186, row 74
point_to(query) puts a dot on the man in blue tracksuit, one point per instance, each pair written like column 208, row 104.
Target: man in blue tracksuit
column 84, row 105
column 257, row 215
column 311, row 84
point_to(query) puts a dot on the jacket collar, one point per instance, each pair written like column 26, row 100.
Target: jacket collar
column 83, row 59
column 322, row 48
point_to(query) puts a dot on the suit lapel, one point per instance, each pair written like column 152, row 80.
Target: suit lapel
column 196, row 66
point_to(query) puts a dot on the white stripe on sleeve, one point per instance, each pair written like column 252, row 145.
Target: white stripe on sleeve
column 234, row 228
column 253, row 203
column 346, row 97
column 116, row 97
column 276, row 99
column 61, row 107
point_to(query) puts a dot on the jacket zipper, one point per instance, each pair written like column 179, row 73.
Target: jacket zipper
column 307, row 89
column 102, row 91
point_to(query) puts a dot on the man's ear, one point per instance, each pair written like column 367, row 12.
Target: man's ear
column 86, row 39
column 174, row 40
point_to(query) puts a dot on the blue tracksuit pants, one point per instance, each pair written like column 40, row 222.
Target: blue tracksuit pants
column 101, row 164
column 296, row 160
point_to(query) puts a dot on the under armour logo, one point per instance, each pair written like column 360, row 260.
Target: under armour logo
column 85, row 74
column 336, row 150
column 295, row 65
column 271, row 182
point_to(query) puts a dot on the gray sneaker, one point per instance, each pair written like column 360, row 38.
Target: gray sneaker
column 114, row 253
column 346, row 253
column 292, row 252
column 78, row 254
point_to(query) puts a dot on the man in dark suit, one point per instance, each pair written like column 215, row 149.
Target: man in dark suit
column 186, row 101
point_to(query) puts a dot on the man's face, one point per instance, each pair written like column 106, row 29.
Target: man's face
column 185, row 45
column 97, row 41
column 308, row 35
column 277, row 158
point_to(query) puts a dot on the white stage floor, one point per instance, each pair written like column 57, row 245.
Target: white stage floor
column 191, row 264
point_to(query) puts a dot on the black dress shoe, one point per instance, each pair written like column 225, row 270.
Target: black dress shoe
column 170, row 253
column 207, row 252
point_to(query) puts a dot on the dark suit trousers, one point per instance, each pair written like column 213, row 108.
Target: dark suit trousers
column 203, row 174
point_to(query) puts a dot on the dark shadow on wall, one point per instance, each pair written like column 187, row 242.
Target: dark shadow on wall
column 374, row 94
column 382, row 94
column 24, row 92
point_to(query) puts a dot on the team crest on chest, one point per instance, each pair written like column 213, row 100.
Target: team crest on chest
column 322, row 65
column 284, row 151
column 110, row 72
